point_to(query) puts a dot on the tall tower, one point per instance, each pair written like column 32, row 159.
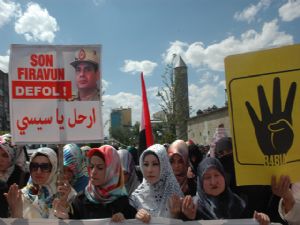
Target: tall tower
column 181, row 98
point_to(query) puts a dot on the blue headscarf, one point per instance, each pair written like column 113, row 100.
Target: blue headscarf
column 74, row 160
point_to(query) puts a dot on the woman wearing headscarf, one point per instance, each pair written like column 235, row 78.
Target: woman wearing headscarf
column 105, row 195
column 214, row 199
column 195, row 157
column 36, row 198
column 21, row 155
column 10, row 172
column 134, row 152
column 179, row 159
column 75, row 170
column 128, row 167
column 158, row 195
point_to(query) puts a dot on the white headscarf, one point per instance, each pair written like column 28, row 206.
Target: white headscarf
column 41, row 197
column 154, row 197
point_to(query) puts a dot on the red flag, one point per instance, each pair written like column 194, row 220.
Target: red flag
column 145, row 136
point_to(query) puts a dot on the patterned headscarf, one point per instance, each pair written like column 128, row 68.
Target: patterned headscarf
column 154, row 197
column 74, row 160
column 113, row 186
column 42, row 196
column 180, row 148
column 19, row 157
column 5, row 144
column 129, row 166
column 227, row 205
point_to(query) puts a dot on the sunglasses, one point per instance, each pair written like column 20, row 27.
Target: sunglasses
column 45, row 167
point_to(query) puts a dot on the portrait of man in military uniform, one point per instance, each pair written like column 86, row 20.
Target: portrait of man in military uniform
column 87, row 75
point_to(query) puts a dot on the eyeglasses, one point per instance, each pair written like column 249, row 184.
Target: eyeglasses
column 45, row 167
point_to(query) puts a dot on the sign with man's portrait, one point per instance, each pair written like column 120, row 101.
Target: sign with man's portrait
column 55, row 93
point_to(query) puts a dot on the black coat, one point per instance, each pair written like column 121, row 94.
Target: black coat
column 192, row 184
column 19, row 177
column 3, row 202
column 84, row 209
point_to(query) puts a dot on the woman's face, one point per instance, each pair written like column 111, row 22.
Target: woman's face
column 4, row 160
column 213, row 182
column 151, row 168
column 177, row 164
column 40, row 169
column 68, row 174
column 97, row 170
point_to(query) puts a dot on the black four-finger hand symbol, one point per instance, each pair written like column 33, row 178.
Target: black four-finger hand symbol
column 274, row 132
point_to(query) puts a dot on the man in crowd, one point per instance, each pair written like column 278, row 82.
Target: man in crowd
column 87, row 74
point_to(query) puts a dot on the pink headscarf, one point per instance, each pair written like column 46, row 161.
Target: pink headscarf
column 113, row 187
column 180, row 148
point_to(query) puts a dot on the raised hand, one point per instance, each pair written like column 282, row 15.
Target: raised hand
column 175, row 205
column 64, row 189
column 274, row 132
column 282, row 189
column 189, row 209
column 14, row 200
column 190, row 173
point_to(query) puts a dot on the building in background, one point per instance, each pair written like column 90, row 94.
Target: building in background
column 181, row 98
column 202, row 127
column 4, row 102
column 159, row 116
column 120, row 117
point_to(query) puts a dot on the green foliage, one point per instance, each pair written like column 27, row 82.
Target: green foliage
column 167, row 96
column 126, row 135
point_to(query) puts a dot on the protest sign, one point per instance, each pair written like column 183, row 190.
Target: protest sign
column 264, row 107
column 55, row 94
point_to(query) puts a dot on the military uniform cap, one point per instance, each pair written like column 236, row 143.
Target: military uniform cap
column 85, row 55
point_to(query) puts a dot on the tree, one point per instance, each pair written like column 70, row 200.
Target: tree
column 126, row 135
column 167, row 95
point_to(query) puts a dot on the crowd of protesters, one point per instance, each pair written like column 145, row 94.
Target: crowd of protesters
column 181, row 180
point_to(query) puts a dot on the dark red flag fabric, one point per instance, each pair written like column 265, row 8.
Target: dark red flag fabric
column 145, row 136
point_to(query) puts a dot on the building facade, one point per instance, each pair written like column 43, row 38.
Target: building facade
column 120, row 117
column 4, row 102
column 202, row 127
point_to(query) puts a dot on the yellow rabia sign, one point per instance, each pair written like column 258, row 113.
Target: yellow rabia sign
column 264, row 105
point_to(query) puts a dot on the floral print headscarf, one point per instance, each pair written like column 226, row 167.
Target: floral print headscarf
column 113, row 187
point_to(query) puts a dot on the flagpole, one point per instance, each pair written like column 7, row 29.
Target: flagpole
column 146, row 137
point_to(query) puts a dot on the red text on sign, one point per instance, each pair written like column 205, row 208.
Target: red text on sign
column 41, row 60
